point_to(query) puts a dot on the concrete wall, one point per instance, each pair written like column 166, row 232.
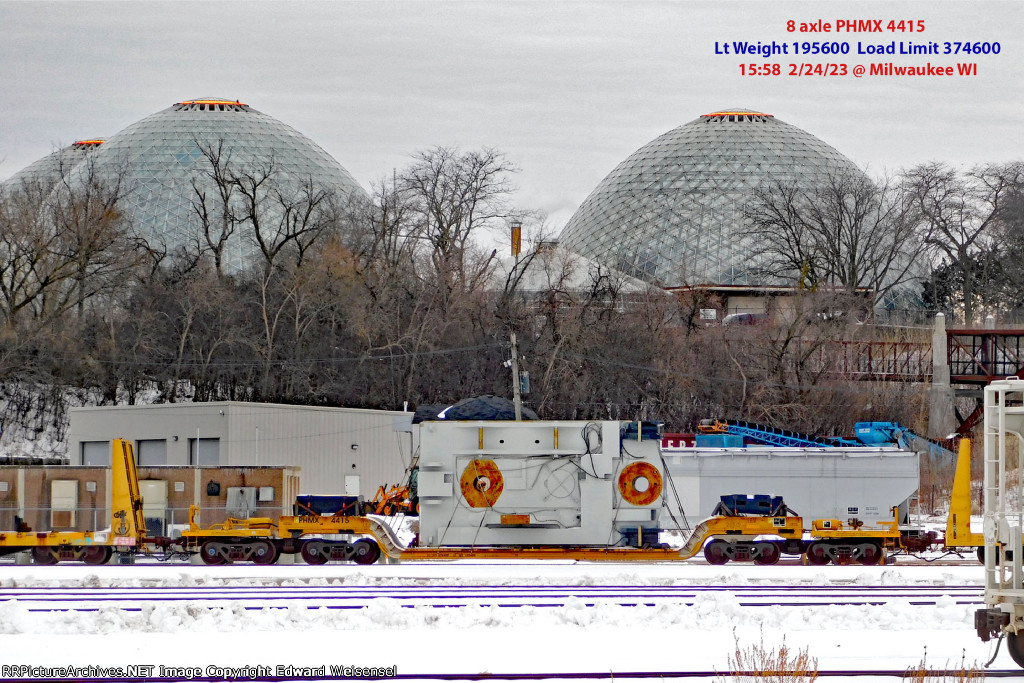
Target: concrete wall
column 745, row 304
column 336, row 448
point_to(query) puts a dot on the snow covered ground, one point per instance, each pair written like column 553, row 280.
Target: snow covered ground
column 426, row 640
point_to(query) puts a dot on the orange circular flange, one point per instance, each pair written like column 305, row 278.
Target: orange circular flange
column 481, row 483
column 629, row 479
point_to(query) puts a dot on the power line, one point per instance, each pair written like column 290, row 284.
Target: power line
column 257, row 363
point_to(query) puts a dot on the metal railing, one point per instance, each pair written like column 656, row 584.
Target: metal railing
column 874, row 360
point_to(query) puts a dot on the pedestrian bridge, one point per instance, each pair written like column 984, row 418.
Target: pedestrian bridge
column 975, row 356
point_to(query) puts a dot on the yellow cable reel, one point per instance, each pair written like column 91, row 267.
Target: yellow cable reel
column 640, row 483
column 481, row 483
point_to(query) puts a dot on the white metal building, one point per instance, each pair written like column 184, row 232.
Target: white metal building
column 339, row 450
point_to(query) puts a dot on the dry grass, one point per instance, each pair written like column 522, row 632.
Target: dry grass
column 757, row 663
column 922, row 674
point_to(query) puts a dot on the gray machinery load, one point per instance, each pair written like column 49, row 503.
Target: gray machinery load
column 567, row 483
column 848, row 483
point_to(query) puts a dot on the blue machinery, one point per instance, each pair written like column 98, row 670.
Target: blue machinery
column 716, row 433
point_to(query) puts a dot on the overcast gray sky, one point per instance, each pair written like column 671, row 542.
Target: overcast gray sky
column 567, row 90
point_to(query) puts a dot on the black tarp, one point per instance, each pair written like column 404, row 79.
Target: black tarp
column 476, row 408
column 427, row 412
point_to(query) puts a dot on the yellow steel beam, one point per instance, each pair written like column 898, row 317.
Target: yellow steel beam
column 958, row 522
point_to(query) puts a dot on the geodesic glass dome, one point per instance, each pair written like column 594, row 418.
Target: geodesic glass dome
column 162, row 157
column 48, row 170
column 672, row 212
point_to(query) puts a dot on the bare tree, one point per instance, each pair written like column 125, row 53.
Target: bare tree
column 67, row 257
column 28, row 267
column 424, row 274
column 283, row 215
column 93, row 233
column 285, row 218
column 959, row 213
column 200, row 316
column 380, row 232
column 213, row 190
column 261, row 203
column 847, row 233
column 452, row 197
column 1003, row 264
column 62, row 244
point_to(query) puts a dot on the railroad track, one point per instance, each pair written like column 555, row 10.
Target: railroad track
column 786, row 561
column 858, row 674
column 79, row 599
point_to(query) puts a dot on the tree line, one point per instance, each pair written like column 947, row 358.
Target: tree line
column 393, row 300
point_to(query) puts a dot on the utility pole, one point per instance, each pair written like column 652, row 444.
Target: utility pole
column 517, row 388
column 517, row 395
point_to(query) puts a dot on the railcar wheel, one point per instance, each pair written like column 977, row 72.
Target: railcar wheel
column 264, row 552
column 43, row 555
column 97, row 554
column 365, row 551
column 1015, row 645
column 310, row 554
column 210, row 552
column 981, row 554
column 770, row 554
column 714, row 552
column 871, row 554
column 817, row 553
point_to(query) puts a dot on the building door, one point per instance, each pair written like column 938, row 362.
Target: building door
column 63, row 503
column 352, row 485
column 154, row 505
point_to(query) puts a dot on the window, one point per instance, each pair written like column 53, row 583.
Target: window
column 151, row 452
column 207, row 452
column 96, row 453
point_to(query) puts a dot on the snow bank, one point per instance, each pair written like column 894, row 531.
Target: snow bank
column 576, row 637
